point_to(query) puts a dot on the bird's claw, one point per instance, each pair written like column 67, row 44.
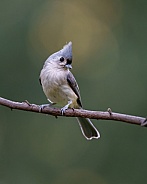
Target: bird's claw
column 63, row 110
column 41, row 107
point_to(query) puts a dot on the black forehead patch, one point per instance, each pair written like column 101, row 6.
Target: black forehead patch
column 69, row 61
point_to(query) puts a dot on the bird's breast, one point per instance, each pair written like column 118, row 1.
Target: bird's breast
column 56, row 88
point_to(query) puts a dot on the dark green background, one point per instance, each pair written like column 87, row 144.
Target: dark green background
column 110, row 64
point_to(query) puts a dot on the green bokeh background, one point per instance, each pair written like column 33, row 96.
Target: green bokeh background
column 109, row 62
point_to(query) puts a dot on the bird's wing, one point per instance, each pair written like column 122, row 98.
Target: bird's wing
column 74, row 86
column 40, row 81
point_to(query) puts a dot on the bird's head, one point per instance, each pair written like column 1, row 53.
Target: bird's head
column 62, row 58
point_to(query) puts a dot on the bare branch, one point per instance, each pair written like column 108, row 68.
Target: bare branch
column 108, row 115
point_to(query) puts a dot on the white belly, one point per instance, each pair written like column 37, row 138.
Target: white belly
column 57, row 90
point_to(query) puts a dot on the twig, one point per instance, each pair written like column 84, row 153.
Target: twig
column 108, row 115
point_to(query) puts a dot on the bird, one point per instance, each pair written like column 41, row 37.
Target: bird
column 61, row 88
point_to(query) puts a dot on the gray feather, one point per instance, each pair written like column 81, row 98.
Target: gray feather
column 66, row 52
column 74, row 86
column 88, row 129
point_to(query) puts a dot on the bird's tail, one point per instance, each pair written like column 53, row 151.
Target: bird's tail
column 88, row 129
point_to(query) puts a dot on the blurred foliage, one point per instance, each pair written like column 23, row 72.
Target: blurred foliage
column 109, row 50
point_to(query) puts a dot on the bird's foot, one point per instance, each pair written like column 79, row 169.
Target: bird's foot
column 63, row 109
column 41, row 107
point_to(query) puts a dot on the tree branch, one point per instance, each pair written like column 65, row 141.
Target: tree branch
column 108, row 115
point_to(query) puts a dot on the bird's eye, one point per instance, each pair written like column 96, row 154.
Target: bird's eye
column 62, row 59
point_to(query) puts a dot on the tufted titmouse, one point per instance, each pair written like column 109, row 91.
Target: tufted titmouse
column 60, row 87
